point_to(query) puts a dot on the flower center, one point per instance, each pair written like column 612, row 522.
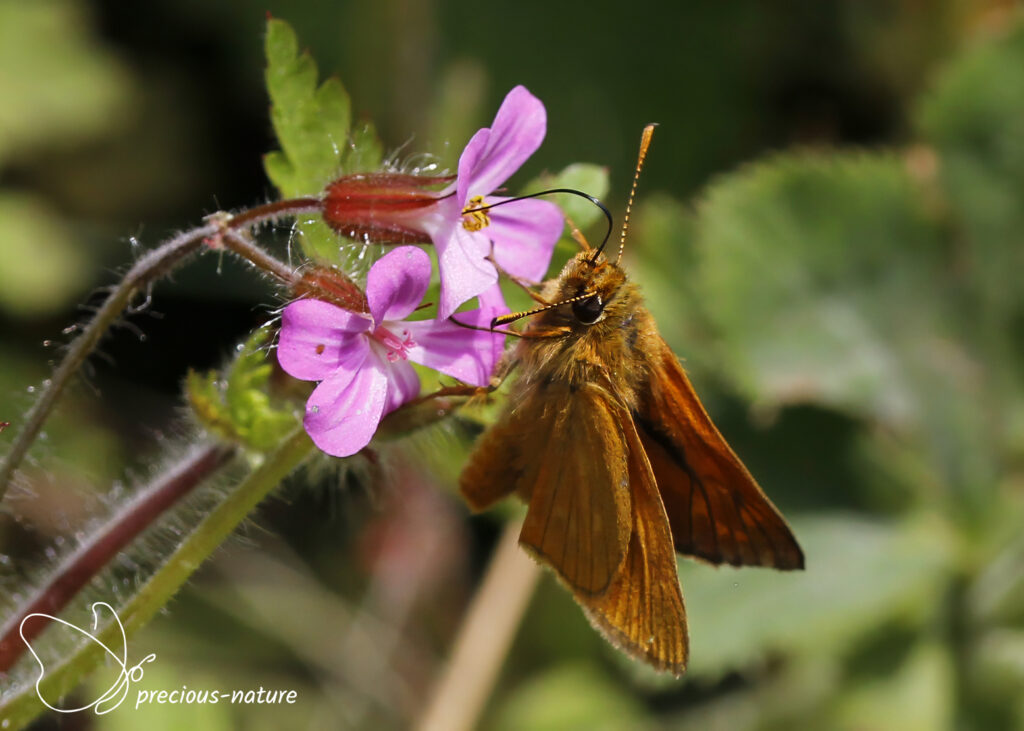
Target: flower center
column 397, row 347
column 475, row 220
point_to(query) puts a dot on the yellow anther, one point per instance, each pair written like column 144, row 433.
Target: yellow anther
column 475, row 220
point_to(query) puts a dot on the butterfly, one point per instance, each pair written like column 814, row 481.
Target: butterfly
column 620, row 466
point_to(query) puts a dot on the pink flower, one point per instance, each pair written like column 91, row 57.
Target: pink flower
column 361, row 359
column 520, row 237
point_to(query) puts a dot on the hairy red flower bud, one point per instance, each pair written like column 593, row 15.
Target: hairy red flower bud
column 331, row 285
column 386, row 208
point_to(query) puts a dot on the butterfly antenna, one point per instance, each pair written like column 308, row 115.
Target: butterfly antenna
column 645, row 142
column 513, row 316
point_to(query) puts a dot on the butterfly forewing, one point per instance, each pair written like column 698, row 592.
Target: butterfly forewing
column 565, row 458
column 642, row 611
column 715, row 507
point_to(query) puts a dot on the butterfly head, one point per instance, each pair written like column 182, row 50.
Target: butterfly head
column 590, row 289
column 590, row 283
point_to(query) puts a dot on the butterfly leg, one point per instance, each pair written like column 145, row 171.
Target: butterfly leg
column 577, row 235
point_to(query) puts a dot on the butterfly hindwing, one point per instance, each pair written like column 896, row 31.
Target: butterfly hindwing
column 716, row 509
column 493, row 469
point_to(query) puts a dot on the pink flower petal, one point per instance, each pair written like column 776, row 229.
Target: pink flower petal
column 493, row 301
column 464, row 269
column 462, row 353
column 397, row 282
column 492, row 155
column 403, row 384
column 492, row 304
column 524, row 234
column 343, row 412
column 316, row 337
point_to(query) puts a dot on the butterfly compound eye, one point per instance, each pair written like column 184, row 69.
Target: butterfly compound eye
column 588, row 310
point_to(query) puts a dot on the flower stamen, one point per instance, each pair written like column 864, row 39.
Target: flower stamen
column 398, row 348
column 474, row 220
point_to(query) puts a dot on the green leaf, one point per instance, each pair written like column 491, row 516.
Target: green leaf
column 860, row 574
column 803, row 262
column 366, row 151
column 827, row 281
column 314, row 128
column 568, row 697
column 974, row 117
column 238, row 407
column 311, row 124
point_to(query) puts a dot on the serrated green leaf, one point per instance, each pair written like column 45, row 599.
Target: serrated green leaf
column 975, row 119
column 366, row 151
column 238, row 407
column 827, row 282
column 311, row 124
column 803, row 261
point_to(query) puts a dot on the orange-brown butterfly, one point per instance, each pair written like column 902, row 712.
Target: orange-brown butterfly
column 606, row 441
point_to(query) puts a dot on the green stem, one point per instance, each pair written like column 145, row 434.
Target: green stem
column 105, row 543
column 23, row 704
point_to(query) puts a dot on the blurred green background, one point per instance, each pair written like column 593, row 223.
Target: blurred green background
column 830, row 231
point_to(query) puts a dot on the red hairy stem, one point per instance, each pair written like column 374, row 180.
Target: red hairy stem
column 79, row 568
column 152, row 266
column 240, row 245
column 277, row 209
